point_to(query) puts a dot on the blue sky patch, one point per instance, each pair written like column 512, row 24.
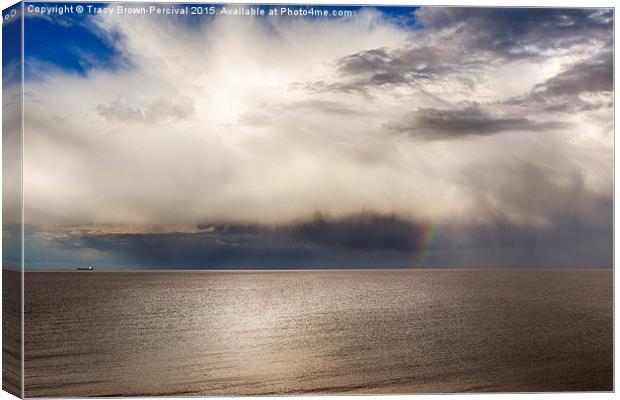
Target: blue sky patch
column 69, row 42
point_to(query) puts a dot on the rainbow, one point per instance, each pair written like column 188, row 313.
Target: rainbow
column 427, row 235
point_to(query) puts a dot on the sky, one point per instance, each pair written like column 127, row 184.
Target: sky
column 393, row 137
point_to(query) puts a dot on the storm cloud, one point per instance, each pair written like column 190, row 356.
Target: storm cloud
column 457, row 43
column 589, row 76
column 380, row 67
column 437, row 124
column 518, row 33
column 361, row 240
column 583, row 86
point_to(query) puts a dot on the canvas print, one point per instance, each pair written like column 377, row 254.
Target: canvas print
column 229, row 199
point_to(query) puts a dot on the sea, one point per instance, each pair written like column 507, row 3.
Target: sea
column 177, row 333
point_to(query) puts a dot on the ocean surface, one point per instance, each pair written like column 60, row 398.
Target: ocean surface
column 290, row 332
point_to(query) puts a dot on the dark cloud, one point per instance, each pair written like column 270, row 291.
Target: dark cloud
column 438, row 124
column 516, row 33
column 357, row 240
column 468, row 38
column 366, row 61
column 359, row 231
column 590, row 76
column 364, row 231
column 157, row 111
column 561, row 93
column 397, row 66
column 385, row 67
